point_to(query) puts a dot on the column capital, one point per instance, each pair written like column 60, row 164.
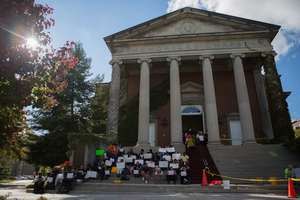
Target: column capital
column 264, row 54
column 211, row 57
column 169, row 59
column 233, row 55
column 112, row 62
column 140, row 60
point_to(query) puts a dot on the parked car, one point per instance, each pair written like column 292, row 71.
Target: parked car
column 19, row 177
column 28, row 177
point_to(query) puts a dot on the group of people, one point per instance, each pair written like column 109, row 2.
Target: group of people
column 65, row 179
column 291, row 172
column 191, row 138
column 142, row 169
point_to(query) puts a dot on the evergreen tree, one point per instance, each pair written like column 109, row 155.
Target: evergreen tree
column 71, row 115
column 99, row 107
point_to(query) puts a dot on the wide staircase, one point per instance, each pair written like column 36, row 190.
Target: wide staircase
column 244, row 162
column 253, row 161
column 200, row 159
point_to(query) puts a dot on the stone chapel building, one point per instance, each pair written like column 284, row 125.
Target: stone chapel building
column 212, row 63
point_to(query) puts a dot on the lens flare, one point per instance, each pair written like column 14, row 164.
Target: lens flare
column 32, row 42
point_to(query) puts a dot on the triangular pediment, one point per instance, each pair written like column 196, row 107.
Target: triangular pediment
column 191, row 87
column 190, row 26
column 191, row 22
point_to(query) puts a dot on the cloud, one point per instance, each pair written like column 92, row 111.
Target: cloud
column 295, row 55
column 284, row 13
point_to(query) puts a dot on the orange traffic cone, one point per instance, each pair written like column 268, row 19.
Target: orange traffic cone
column 204, row 179
column 292, row 193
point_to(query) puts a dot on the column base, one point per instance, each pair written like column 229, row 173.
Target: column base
column 179, row 146
column 250, row 142
column 214, row 143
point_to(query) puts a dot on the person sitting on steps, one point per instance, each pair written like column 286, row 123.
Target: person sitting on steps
column 145, row 173
column 159, row 173
column 171, row 175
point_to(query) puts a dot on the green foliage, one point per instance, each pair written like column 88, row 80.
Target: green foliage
column 28, row 76
column 297, row 133
column 99, row 107
column 280, row 117
column 7, row 170
column 5, row 196
column 128, row 125
column 45, row 169
column 7, row 181
column 47, row 149
column 31, row 185
column 293, row 145
column 66, row 121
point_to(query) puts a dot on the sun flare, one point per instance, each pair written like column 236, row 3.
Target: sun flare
column 32, row 42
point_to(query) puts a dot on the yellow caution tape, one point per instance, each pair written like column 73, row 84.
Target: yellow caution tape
column 242, row 139
column 244, row 179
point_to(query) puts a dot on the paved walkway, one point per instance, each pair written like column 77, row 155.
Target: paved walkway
column 18, row 191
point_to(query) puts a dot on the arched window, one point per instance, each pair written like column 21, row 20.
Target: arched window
column 191, row 110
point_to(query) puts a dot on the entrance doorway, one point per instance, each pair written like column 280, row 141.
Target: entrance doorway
column 192, row 121
column 192, row 117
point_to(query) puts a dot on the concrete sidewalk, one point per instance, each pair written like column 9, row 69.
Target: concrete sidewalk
column 18, row 190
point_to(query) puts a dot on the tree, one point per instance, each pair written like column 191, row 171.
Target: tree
column 297, row 133
column 28, row 75
column 99, row 107
column 71, row 116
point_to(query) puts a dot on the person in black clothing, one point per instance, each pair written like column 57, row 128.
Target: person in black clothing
column 39, row 183
column 145, row 173
column 138, row 167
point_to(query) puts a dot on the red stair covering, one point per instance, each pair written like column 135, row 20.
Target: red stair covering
column 197, row 166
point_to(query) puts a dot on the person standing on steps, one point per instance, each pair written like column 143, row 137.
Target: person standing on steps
column 191, row 144
column 296, row 174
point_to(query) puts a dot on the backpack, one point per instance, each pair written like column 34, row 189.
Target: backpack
column 125, row 178
column 126, row 171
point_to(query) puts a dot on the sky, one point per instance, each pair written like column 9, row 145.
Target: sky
column 90, row 21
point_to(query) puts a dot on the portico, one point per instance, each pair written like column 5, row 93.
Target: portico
column 215, row 56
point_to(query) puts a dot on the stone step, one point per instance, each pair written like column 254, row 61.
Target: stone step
column 96, row 188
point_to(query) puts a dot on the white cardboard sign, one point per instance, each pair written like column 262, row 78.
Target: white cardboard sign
column 163, row 164
column 121, row 165
column 92, row 174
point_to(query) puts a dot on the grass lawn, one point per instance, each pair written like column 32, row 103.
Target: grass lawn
column 7, row 181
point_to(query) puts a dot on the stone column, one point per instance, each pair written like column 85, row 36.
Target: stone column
column 210, row 101
column 144, row 104
column 263, row 104
column 114, row 95
column 243, row 99
column 175, row 102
